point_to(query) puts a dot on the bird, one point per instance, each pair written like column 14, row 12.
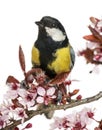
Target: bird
column 52, row 51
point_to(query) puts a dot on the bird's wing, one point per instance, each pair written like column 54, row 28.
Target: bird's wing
column 72, row 53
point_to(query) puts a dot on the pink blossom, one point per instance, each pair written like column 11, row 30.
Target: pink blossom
column 74, row 121
column 7, row 109
column 85, row 115
column 58, row 123
column 21, row 114
column 28, row 99
column 14, row 86
column 45, row 96
column 9, row 113
column 80, row 119
column 14, row 91
column 3, row 121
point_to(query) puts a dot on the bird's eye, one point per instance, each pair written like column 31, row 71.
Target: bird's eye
column 53, row 24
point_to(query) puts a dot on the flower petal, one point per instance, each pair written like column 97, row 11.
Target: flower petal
column 40, row 99
column 51, row 91
column 41, row 91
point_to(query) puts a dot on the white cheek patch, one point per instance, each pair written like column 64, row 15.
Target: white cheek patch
column 55, row 34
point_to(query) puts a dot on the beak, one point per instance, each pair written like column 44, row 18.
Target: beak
column 39, row 23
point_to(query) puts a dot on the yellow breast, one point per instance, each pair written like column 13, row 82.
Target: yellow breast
column 62, row 62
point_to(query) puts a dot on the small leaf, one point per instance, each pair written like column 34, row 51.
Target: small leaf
column 74, row 92
column 95, row 33
column 59, row 78
column 16, row 103
column 63, row 89
column 21, row 59
column 91, row 38
column 94, row 20
column 11, row 79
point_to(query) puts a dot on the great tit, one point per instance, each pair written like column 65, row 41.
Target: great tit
column 52, row 51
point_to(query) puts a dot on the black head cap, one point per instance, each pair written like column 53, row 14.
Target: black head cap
column 51, row 22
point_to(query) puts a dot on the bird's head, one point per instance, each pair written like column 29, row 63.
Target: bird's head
column 52, row 27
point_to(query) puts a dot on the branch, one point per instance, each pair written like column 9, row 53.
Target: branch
column 54, row 107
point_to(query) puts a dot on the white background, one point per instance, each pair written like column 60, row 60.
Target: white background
column 17, row 27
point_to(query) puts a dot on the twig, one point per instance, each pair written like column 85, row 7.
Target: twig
column 33, row 113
